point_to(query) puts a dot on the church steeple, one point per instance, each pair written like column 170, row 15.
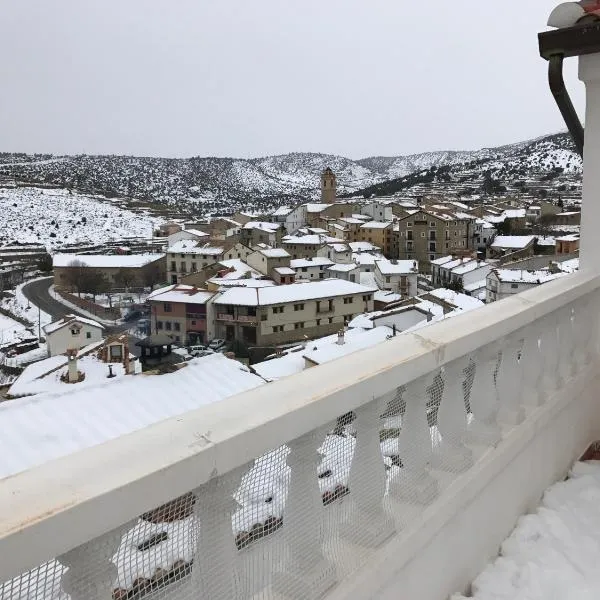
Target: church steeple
column 328, row 186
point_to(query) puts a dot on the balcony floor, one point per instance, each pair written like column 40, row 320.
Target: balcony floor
column 555, row 552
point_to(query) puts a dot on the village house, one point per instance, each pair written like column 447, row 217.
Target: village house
column 502, row 283
column 261, row 232
column 181, row 312
column 187, row 234
column 139, row 270
column 71, row 333
column 567, row 244
column 310, row 268
column 397, row 276
column 511, row 247
column 281, row 314
column 306, row 246
column 190, row 256
column 266, row 260
column 336, row 252
column 459, row 272
column 347, row 271
column 425, row 236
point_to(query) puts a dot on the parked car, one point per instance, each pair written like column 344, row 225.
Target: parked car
column 217, row 345
column 201, row 353
column 131, row 315
column 196, row 347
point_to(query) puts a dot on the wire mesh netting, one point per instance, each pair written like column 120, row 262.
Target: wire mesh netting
column 305, row 515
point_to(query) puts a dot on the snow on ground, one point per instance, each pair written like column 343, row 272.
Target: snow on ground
column 554, row 553
column 55, row 217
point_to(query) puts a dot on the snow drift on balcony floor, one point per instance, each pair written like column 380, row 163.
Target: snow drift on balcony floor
column 554, row 553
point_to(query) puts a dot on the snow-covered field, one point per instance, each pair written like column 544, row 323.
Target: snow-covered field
column 55, row 217
column 553, row 554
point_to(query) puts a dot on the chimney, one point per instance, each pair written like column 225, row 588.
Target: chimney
column 340, row 340
column 429, row 316
column 72, row 364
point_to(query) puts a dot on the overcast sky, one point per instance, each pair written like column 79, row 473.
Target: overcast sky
column 258, row 77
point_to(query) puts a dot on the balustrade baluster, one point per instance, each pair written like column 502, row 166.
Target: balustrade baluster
column 214, row 573
column 509, row 381
column 484, row 428
column 414, row 483
column 91, row 574
column 580, row 333
column 532, row 366
column 368, row 523
column 549, row 347
column 566, row 350
column 452, row 454
column 307, row 574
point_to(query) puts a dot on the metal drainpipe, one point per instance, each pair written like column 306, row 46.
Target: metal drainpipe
column 563, row 100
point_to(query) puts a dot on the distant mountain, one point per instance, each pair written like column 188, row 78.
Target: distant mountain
column 212, row 185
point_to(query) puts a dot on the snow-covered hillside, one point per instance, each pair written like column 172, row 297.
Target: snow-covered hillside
column 212, row 185
column 56, row 217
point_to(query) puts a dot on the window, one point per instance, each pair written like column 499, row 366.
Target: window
column 318, row 322
column 277, row 310
column 194, row 269
column 409, row 235
column 304, row 269
column 422, row 234
column 331, row 319
column 177, row 338
column 366, row 298
column 298, row 306
column 432, row 224
column 168, row 325
column 514, row 286
column 278, row 329
column 264, row 316
column 409, row 224
column 182, row 267
column 173, row 266
column 348, row 300
column 177, row 326
column 387, row 279
column 159, row 324
column 167, row 307
column 298, row 325
column 456, row 234
column 447, row 223
column 193, row 322
column 321, row 275
column 431, row 246
column 432, row 257
column 75, row 331
column 88, row 334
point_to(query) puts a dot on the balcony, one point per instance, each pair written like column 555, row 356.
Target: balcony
column 225, row 317
column 469, row 410
column 251, row 319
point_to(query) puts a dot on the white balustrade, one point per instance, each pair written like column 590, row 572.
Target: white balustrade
column 414, row 483
column 532, row 361
column 484, row 428
column 213, row 574
column 451, row 454
column 368, row 523
column 307, row 574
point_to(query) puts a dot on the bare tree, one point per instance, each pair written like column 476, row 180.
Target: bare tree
column 95, row 282
column 76, row 275
column 125, row 278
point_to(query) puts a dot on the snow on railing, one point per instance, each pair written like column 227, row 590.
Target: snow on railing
column 287, row 490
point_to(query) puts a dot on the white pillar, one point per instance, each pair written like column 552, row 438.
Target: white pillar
column 307, row 574
column 91, row 574
column 589, row 73
column 509, row 382
column 368, row 524
column 414, row 483
column 452, row 454
column 214, row 573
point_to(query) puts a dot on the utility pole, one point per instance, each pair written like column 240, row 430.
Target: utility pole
column 39, row 322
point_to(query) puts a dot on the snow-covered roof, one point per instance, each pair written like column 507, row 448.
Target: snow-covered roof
column 351, row 220
column 68, row 321
column 469, row 265
column 375, row 225
column 477, row 285
column 398, row 267
column 274, row 252
column 313, row 239
column 339, row 246
column 386, row 296
column 35, row 430
column 195, row 232
column 106, row 261
column 513, row 241
column 281, row 294
column 263, row 226
column 546, row 240
column 316, row 261
column 316, row 207
column 515, row 213
column 443, row 260
column 282, row 211
column 181, row 293
column 342, row 267
column 572, row 237
column 524, row 276
column 284, row 271
column 194, row 247
column 461, row 301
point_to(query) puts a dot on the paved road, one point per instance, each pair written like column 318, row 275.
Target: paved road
column 37, row 292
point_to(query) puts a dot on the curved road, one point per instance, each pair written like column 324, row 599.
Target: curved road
column 38, row 293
